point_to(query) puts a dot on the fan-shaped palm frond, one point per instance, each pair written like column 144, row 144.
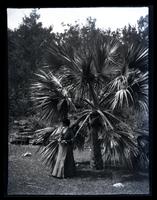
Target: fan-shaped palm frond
column 131, row 89
column 136, row 57
column 49, row 153
column 50, row 97
column 79, row 82
column 118, row 83
column 106, row 56
column 62, row 52
column 139, row 89
column 112, row 51
column 44, row 134
column 122, row 96
column 50, row 139
column 119, row 148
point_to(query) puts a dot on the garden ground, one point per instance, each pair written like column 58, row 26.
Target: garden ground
column 28, row 176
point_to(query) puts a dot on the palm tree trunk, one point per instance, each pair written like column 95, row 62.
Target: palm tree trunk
column 96, row 161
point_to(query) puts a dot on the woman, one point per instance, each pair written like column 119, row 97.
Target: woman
column 64, row 165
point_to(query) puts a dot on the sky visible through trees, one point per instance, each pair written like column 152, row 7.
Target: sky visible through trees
column 106, row 17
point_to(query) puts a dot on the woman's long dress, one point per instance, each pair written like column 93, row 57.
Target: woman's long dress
column 64, row 165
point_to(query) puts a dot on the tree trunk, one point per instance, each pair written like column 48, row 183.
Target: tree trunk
column 96, row 161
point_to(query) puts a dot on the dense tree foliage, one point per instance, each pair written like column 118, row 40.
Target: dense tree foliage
column 25, row 55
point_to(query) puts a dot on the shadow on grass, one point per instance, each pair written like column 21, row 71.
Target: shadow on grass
column 134, row 177
column 84, row 171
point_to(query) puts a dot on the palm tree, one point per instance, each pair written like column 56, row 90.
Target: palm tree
column 102, row 79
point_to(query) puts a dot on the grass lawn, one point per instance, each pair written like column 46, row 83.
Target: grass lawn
column 28, row 176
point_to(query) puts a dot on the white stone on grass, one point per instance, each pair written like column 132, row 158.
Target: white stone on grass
column 27, row 154
column 118, row 185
